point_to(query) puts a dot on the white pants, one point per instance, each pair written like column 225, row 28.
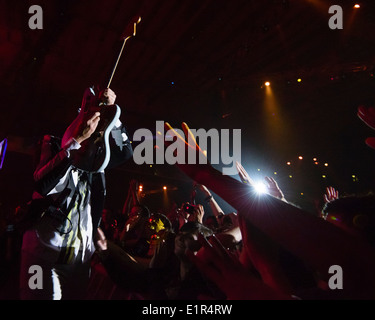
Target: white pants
column 58, row 281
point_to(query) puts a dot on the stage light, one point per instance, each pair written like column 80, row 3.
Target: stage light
column 326, row 164
column 357, row 6
column 300, row 157
column 288, row 163
column 315, row 159
column 267, row 83
column 260, row 188
column 316, row 162
column 165, row 188
column 299, row 80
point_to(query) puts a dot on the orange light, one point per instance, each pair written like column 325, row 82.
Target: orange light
column 165, row 188
column 300, row 157
column 288, row 163
column 267, row 83
column 357, row 6
column 326, row 164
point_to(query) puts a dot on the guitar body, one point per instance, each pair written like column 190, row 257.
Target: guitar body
column 94, row 154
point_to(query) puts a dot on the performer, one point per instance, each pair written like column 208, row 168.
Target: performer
column 61, row 241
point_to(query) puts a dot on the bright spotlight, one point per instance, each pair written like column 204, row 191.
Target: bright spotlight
column 260, row 188
column 267, row 83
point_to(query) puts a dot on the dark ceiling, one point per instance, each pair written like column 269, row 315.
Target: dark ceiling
column 203, row 62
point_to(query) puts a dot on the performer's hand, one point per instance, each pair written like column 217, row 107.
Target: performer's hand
column 107, row 96
column 89, row 129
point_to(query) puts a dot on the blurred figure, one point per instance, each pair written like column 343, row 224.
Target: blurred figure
column 109, row 224
column 134, row 237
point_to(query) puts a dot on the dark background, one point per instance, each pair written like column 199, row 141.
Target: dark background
column 203, row 62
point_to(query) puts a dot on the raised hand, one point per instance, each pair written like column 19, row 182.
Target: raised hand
column 331, row 194
column 274, row 189
column 89, row 128
column 271, row 184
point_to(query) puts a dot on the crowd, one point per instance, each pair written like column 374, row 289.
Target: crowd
column 268, row 249
column 273, row 250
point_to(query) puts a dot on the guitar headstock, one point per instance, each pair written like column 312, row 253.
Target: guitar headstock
column 131, row 28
